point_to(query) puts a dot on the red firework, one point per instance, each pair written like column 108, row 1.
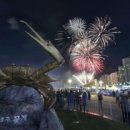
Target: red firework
column 87, row 57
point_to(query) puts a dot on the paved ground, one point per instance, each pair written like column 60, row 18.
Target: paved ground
column 110, row 108
column 105, row 98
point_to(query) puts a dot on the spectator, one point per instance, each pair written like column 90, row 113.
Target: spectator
column 113, row 93
column 59, row 99
column 70, row 99
column 57, row 105
column 129, row 109
column 62, row 99
column 117, row 97
column 85, row 101
column 80, row 102
column 125, row 108
column 100, row 98
column 89, row 95
column 77, row 100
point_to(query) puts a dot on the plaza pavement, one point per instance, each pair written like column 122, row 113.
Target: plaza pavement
column 110, row 108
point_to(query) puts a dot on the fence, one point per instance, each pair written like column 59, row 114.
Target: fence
column 106, row 109
column 125, row 108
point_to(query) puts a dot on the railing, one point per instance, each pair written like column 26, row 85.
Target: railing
column 106, row 109
column 125, row 113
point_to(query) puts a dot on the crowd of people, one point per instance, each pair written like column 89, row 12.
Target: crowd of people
column 73, row 100
column 80, row 100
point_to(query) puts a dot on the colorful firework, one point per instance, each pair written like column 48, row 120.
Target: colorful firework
column 85, row 45
column 66, row 41
column 87, row 57
column 76, row 27
column 100, row 33
column 84, row 77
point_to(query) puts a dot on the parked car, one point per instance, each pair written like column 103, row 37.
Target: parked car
column 106, row 93
column 126, row 92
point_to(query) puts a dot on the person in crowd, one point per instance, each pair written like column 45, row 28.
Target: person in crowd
column 57, row 104
column 62, row 95
column 85, row 101
column 113, row 93
column 117, row 96
column 76, row 100
column 125, row 108
column 80, row 102
column 89, row 95
column 89, row 98
column 100, row 99
column 70, row 99
column 74, row 104
column 128, row 108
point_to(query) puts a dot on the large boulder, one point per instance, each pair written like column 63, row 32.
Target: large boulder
column 21, row 108
column 50, row 121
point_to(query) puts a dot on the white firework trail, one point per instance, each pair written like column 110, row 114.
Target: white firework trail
column 84, row 77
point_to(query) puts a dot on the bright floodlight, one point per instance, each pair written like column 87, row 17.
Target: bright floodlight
column 100, row 82
column 69, row 81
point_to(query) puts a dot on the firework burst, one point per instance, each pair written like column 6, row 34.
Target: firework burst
column 76, row 27
column 87, row 57
column 100, row 33
column 86, row 45
column 66, row 41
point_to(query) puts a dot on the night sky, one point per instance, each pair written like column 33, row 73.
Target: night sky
column 48, row 16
